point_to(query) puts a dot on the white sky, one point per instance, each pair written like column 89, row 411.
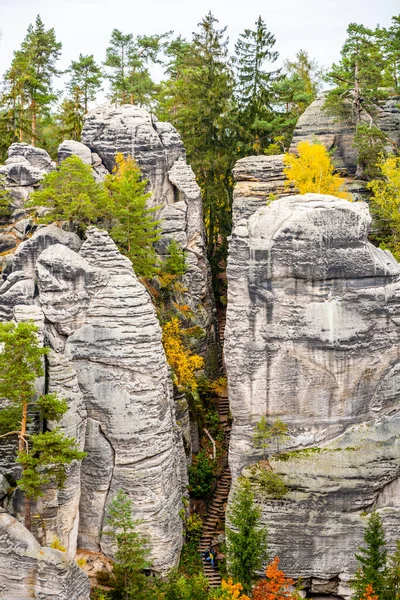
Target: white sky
column 318, row 26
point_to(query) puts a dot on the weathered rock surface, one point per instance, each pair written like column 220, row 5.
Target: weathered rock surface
column 339, row 137
column 133, row 131
column 26, row 165
column 258, row 180
column 158, row 149
column 108, row 362
column 73, row 148
column 312, row 337
column 28, row 570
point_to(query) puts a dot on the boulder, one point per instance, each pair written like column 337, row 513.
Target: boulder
column 28, row 252
column 72, row 148
column 312, row 338
column 26, row 165
column 28, row 570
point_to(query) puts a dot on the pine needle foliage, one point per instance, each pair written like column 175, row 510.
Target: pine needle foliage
column 43, row 456
column 132, row 554
column 71, row 194
column 372, row 559
column 246, row 539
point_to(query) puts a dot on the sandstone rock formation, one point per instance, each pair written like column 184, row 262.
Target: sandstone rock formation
column 28, row 570
column 158, row 149
column 107, row 361
column 339, row 137
column 258, row 180
column 313, row 337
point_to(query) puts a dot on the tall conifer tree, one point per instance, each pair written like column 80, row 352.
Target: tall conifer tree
column 29, row 81
column 253, row 53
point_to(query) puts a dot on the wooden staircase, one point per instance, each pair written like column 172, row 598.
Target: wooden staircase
column 214, row 522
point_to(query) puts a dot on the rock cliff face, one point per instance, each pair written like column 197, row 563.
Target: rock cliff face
column 29, row 571
column 312, row 337
column 258, row 180
column 107, row 360
column 339, row 137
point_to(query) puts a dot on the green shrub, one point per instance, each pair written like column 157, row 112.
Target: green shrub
column 175, row 263
column 271, row 484
column 201, row 475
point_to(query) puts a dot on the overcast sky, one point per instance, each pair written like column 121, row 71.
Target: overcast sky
column 318, row 26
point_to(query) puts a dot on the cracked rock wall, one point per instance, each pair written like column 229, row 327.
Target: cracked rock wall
column 107, row 360
column 312, row 337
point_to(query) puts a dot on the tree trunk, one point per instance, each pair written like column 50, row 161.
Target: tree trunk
column 33, row 141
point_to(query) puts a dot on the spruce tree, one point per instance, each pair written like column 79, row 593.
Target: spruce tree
column 199, row 102
column 246, row 539
column 42, row 456
column 128, row 581
column 372, row 559
column 253, row 52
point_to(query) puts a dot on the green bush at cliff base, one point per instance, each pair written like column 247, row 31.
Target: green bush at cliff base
column 201, row 475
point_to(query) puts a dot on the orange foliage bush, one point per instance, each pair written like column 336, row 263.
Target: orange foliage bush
column 276, row 586
column 232, row 591
column 369, row 593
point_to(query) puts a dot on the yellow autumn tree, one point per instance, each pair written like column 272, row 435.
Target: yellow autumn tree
column 311, row 170
column 183, row 363
column 231, row 591
column 385, row 204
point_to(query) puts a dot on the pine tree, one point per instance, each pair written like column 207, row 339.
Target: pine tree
column 43, row 456
column 253, row 51
column 86, row 77
column 372, row 559
column 357, row 77
column 129, row 581
column 389, row 42
column 29, row 80
column 135, row 229
column 71, row 194
column 246, row 540
column 127, row 61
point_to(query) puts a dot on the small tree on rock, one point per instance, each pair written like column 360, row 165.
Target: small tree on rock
column 134, row 228
column 71, row 194
column 313, row 172
column 43, row 456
